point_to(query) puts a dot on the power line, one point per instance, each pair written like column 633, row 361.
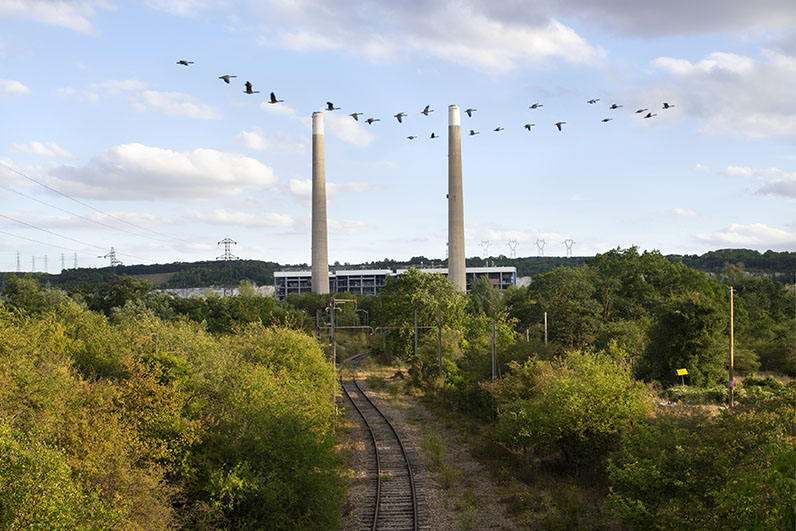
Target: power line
column 89, row 206
column 77, row 215
column 66, row 237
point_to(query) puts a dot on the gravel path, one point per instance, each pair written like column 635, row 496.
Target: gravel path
column 455, row 491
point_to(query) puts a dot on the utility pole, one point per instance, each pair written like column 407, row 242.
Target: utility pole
column 732, row 352
column 439, row 337
column 545, row 328
column 415, row 334
column 494, row 352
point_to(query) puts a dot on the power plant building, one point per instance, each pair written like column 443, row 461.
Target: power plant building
column 370, row 281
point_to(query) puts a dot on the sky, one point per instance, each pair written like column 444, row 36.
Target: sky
column 107, row 142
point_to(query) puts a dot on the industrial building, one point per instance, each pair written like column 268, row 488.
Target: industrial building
column 370, row 281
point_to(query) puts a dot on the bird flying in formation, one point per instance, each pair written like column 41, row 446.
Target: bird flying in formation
column 607, row 119
column 330, row 106
column 497, row 129
column 614, row 106
column 593, row 101
column 528, row 126
column 667, row 106
column 249, row 89
column 650, row 115
column 226, row 78
column 399, row 117
column 641, row 111
column 536, row 106
column 371, row 120
column 470, row 112
column 356, row 115
column 412, row 137
column 274, row 100
column 427, row 110
column 433, row 136
column 559, row 124
column 473, row 133
column 183, row 62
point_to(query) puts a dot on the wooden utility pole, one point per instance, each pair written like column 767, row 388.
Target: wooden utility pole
column 732, row 352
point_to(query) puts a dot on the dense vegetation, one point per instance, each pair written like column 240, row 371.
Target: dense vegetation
column 124, row 408
column 138, row 422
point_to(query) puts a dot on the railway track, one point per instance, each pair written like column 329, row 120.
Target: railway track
column 393, row 496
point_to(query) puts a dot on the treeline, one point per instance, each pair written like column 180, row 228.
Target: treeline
column 779, row 265
column 135, row 416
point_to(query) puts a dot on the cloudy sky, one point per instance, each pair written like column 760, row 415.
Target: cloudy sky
column 107, row 142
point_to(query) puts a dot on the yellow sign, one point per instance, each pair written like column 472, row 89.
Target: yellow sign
column 682, row 372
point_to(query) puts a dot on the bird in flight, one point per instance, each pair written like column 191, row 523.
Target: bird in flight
column 427, row 110
column 649, row 115
column 399, row 117
column 371, row 120
column 497, row 129
column 412, row 137
column 274, row 100
column 593, row 100
column 356, row 115
column 473, row 133
column 433, row 135
column 536, row 106
column 249, row 89
column 183, row 62
column 607, row 119
column 330, row 106
column 226, row 78
column 559, row 124
column 470, row 112
column 667, row 106
column 528, row 126
column 641, row 111
column 614, row 106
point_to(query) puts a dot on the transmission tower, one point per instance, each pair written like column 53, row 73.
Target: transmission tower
column 19, row 268
column 228, row 257
column 33, row 263
column 63, row 265
column 113, row 261
column 569, row 242
column 540, row 244
column 46, row 269
column 75, row 260
column 485, row 246
column 513, row 246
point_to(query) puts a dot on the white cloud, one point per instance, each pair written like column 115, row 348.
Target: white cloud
column 183, row 7
column 756, row 235
column 781, row 187
column 42, row 149
column 136, row 171
column 69, row 14
column 10, row 86
column 751, row 173
column 261, row 219
column 302, row 189
column 117, row 86
column 465, row 32
column 173, row 104
column 347, row 130
column 260, row 140
column 738, row 94
column 683, row 212
column 348, row 227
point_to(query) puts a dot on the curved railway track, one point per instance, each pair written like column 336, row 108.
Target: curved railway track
column 394, row 497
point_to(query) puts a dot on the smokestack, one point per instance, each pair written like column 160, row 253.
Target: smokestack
column 320, row 252
column 456, row 265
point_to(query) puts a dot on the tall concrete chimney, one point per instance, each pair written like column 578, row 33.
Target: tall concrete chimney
column 456, row 264
column 320, row 251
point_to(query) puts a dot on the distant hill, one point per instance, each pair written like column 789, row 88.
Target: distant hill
column 779, row 265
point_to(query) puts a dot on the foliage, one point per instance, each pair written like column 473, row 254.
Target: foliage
column 684, row 469
column 579, row 404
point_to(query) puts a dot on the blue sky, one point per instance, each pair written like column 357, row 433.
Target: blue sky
column 108, row 142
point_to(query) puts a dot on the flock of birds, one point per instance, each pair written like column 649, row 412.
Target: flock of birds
column 249, row 89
